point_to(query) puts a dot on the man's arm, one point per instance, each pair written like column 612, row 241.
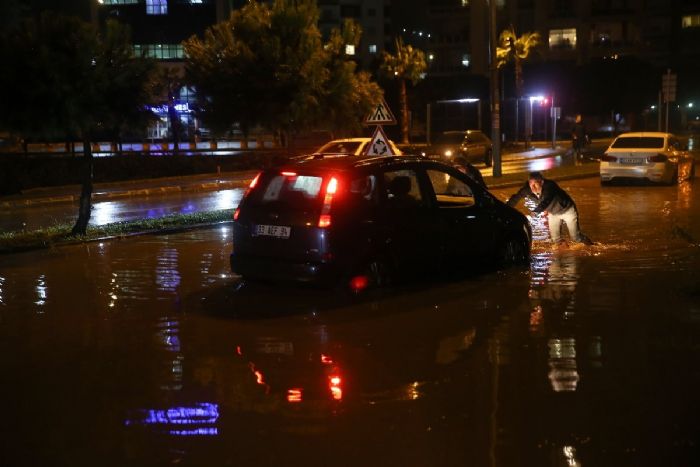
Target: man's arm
column 515, row 198
column 549, row 191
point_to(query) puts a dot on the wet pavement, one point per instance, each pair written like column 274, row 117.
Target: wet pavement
column 147, row 351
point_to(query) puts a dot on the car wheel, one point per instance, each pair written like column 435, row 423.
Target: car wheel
column 379, row 273
column 488, row 158
column 373, row 274
column 515, row 251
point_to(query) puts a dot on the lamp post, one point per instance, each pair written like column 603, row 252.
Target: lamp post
column 495, row 99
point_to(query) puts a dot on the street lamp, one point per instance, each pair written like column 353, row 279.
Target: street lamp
column 528, row 136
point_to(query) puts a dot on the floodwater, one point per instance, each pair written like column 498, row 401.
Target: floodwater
column 147, row 351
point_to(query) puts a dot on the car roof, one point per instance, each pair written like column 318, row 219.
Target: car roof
column 641, row 134
column 341, row 163
column 450, row 132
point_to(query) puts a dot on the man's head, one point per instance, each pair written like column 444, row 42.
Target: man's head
column 578, row 118
column 535, row 180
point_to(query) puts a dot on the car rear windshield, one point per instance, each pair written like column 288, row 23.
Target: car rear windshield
column 450, row 138
column 295, row 191
column 348, row 147
column 642, row 142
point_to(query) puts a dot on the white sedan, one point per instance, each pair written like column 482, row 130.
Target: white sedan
column 646, row 156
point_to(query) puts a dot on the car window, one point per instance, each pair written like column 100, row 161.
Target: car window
column 345, row 147
column 295, row 191
column 364, row 188
column 640, row 142
column 450, row 138
column 449, row 190
column 402, row 189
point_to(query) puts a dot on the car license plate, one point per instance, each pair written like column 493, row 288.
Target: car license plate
column 631, row 161
column 277, row 231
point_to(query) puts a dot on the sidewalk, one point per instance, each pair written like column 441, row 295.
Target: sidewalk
column 228, row 180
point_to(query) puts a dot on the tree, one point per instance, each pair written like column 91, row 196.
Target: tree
column 407, row 63
column 516, row 49
column 65, row 80
column 267, row 65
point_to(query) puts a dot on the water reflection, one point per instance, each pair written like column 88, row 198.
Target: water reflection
column 2, row 286
column 41, row 292
column 199, row 419
column 167, row 270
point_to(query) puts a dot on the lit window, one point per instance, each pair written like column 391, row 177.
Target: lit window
column 562, row 38
column 156, row 7
column 373, row 49
column 466, row 60
column 691, row 21
column 349, row 49
column 160, row 51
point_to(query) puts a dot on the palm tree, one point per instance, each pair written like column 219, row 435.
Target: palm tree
column 407, row 64
column 515, row 49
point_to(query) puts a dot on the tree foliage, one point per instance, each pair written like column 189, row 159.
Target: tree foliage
column 405, row 64
column 267, row 65
column 515, row 49
column 62, row 79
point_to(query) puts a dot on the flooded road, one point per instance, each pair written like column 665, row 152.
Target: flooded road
column 147, row 351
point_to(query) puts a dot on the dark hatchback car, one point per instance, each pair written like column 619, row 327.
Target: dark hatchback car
column 458, row 147
column 371, row 221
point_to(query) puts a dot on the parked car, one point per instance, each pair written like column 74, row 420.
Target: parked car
column 354, row 146
column 371, row 221
column 458, row 147
column 647, row 156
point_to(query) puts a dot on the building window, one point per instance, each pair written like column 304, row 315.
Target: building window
column 466, row 60
column 160, row 51
column 156, row 7
column 349, row 49
column 373, row 48
column 691, row 21
column 117, row 2
column 562, row 38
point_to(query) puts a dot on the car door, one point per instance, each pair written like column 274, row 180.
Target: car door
column 470, row 224
column 407, row 219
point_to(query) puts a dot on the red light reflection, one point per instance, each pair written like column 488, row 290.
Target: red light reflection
column 294, row 395
column 334, row 384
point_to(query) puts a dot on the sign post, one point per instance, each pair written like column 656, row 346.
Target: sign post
column 379, row 144
column 668, row 88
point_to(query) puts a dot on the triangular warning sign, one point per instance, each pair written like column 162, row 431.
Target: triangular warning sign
column 381, row 115
column 379, row 145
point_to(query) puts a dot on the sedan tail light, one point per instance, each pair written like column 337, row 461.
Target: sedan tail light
column 608, row 158
column 657, row 158
column 324, row 220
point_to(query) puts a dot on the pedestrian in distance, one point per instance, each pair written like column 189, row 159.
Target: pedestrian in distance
column 578, row 137
column 555, row 204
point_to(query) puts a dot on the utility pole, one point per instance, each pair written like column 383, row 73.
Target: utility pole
column 495, row 99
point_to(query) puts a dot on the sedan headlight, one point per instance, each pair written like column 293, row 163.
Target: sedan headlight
column 448, row 153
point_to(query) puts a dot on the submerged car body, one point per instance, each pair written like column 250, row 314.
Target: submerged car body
column 646, row 156
column 375, row 220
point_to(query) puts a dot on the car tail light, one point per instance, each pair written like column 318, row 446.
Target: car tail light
column 657, row 158
column 253, row 182
column 324, row 220
column 608, row 158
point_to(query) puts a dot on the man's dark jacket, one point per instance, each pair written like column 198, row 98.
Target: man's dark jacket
column 552, row 199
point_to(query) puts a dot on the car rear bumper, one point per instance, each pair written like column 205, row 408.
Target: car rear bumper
column 654, row 173
column 277, row 270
